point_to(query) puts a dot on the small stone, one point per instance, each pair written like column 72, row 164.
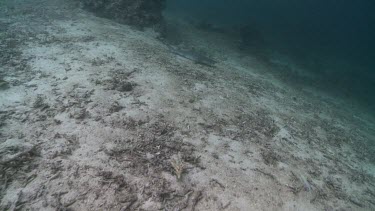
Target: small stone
column 125, row 87
column 57, row 121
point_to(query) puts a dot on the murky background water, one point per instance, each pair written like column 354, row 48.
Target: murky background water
column 334, row 39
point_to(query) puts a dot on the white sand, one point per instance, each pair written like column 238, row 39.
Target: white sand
column 249, row 140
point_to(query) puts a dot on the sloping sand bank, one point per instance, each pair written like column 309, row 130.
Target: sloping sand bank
column 99, row 116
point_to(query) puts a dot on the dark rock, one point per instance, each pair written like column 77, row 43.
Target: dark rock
column 125, row 87
column 3, row 84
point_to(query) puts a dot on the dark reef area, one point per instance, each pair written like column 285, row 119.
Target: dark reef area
column 134, row 12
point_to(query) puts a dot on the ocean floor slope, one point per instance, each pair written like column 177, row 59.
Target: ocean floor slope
column 99, row 116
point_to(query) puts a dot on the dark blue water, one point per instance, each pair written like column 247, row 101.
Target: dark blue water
column 332, row 38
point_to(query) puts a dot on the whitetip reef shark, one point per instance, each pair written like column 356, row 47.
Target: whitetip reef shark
column 192, row 55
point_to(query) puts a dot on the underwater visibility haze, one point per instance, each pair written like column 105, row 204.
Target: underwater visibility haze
column 187, row 105
column 333, row 39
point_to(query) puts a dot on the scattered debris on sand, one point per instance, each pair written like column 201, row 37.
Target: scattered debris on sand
column 97, row 115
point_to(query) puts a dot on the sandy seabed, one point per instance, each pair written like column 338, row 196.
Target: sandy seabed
column 100, row 116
